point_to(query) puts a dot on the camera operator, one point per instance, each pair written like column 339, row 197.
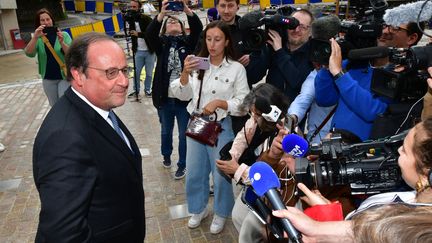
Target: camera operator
column 141, row 47
column 285, row 58
column 416, row 167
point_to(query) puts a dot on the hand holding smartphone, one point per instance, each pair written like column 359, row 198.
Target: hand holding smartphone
column 203, row 62
column 176, row 6
column 50, row 30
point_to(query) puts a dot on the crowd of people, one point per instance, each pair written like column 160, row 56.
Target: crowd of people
column 91, row 184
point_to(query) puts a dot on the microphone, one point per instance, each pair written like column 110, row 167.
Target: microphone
column 326, row 27
column 295, row 145
column 265, row 182
column 270, row 113
column 250, row 20
column 279, row 20
column 369, row 53
column 407, row 13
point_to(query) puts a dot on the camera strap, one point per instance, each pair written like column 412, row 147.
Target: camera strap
column 56, row 57
column 326, row 119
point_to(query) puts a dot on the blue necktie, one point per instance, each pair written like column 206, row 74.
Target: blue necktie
column 114, row 121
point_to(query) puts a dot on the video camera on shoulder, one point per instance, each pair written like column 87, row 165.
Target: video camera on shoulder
column 256, row 24
column 368, row 167
column 361, row 33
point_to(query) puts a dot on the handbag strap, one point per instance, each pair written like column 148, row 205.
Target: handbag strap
column 199, row 95
column 56, row 57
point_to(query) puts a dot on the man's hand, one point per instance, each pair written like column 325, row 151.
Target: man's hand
column 335, row 61
column 163, row 11
column 275, row 40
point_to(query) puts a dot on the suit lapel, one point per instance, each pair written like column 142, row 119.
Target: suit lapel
column 102, row 126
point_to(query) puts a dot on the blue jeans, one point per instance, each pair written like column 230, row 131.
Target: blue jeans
column 147, row 59
column 201, row 159
column 170, row 110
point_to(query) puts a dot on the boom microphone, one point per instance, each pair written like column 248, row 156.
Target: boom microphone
column 295, row 145
column 265, row 182
column 369, row 53
column 250, row 20
column 407, row 13
column 326, row 27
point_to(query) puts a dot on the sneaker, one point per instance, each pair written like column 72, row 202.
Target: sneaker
column 148, row 94
column 166, row 163
column 180, row 173
column 196, row 219
column 2, row 147
column 217, row 224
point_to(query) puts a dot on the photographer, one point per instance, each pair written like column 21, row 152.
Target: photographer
column 171, row 47
column 141, row 47
column 416, row 166
column 286, row 57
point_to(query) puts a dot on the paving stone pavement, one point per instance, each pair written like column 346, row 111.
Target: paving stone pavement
column 23, row 107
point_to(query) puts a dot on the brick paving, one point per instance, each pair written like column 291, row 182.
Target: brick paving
column 23, row 107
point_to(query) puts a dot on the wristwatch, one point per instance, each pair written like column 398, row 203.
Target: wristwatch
column 340, row 74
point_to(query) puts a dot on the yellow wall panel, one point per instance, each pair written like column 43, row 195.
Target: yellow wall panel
column 115, row 23
column 208, row 3
column 100, row 7
column 80, row 6
column 76, row 31
column 99, row 27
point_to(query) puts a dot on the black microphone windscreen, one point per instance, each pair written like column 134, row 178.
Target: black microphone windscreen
column 250, row 20
column 326, row 27
column 262, row 105
column 368, row 53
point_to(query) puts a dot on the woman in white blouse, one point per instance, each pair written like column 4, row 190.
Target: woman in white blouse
column 224, row 87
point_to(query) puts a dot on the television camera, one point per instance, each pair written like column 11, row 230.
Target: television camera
column 361, row 33
column 368, row 167
column 252, row 23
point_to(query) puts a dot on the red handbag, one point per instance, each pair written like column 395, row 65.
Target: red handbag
column 202, row 128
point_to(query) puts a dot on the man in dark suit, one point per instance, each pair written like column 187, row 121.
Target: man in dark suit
column 86, row 164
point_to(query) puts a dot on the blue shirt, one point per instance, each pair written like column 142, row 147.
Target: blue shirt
column 317, row 114
column 357, row 105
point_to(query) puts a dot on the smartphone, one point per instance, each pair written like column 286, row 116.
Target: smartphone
column 50, row 30
column 203, row 64
column 175, row 6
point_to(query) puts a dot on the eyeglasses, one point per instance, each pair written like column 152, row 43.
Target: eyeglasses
column 112, row 73
column 394, row 29
column 173, row 21
column 303, row 27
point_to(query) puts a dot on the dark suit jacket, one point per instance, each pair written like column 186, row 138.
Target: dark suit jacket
column 89, row 181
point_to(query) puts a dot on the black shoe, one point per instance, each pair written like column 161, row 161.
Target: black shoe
column 166, row 163
column 132, row 94
column 148, row 94
column 180, row 173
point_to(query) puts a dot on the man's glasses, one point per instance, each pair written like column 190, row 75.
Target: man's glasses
column 394, row 29
column 112, row 73
column 303, row 27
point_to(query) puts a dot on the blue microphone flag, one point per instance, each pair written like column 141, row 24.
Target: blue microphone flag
column 295, row 145
column 263, row 178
